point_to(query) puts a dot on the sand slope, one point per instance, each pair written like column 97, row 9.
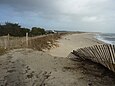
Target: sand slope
column 33, row 68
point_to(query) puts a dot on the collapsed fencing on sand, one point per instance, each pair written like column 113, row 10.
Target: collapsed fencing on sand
column 103, row 54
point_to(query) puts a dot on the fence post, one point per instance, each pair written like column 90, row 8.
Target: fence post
column 5, row 43
column 26, row 40
column 8, row 41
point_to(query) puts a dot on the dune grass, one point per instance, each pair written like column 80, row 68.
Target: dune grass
column 45, row 42
column 2, row 51
column 38, row 42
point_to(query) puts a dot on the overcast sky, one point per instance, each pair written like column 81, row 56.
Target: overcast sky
column 77, row 15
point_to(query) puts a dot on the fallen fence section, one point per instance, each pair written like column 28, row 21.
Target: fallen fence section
column 103, row 54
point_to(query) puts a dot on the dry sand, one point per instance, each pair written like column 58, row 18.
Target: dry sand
column 27, row 67
column 73, row 42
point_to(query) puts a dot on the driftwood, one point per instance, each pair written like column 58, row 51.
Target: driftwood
column 103, row 54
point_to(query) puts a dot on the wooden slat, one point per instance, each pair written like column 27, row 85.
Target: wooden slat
column 106, row 56
column 102, row 55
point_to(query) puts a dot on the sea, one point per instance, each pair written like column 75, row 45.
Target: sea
column 108, row 38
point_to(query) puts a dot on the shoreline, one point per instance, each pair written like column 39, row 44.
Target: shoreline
column 99, row 37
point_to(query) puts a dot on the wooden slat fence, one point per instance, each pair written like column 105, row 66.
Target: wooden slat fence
column 10, row 42
column 103, row 54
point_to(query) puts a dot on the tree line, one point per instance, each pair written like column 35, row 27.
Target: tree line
column 15, row 29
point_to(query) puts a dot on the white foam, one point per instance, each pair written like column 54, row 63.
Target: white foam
column 102, row 39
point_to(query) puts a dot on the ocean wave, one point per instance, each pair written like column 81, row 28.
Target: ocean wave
column 107, row 38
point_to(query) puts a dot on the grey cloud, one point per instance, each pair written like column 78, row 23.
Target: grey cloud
column 31, row 5
column 66, row 13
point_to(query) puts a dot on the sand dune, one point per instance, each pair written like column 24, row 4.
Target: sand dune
column 27, row 67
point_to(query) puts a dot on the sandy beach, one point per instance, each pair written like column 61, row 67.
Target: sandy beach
column 72, row 42
column 27, row 67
